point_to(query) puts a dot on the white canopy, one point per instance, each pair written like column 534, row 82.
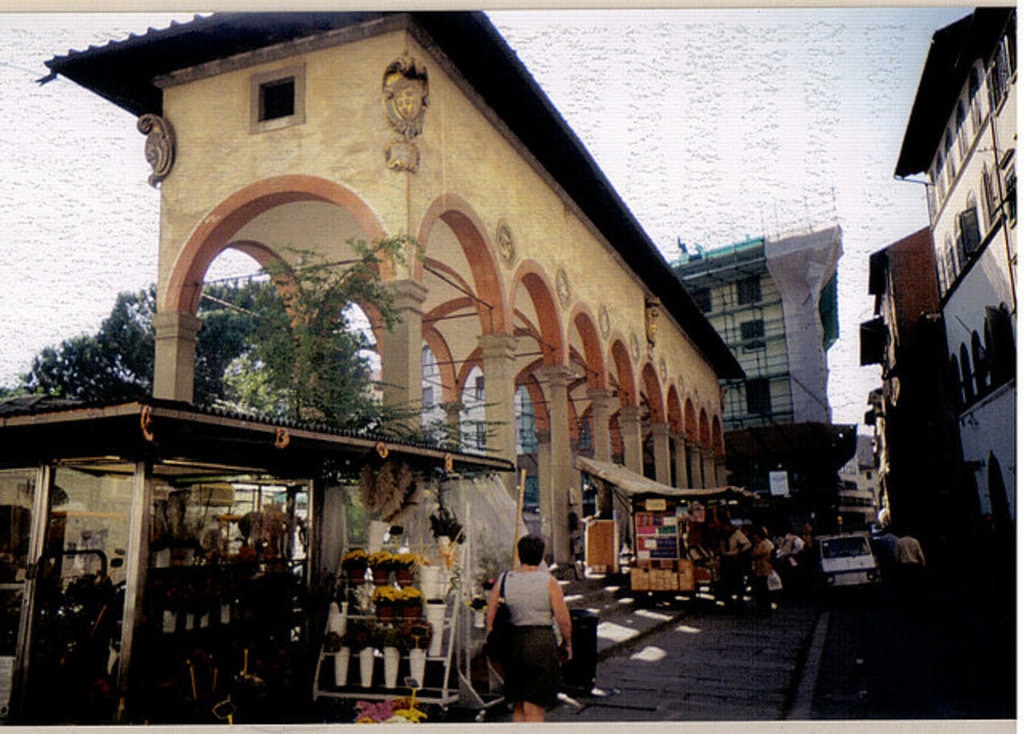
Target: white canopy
column 634, row 484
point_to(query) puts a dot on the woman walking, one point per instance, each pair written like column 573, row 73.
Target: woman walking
column 534, row 599
column 762, row 568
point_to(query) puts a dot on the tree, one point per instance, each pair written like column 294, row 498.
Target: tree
column 283, row 347
column 114, row 364
column 304, row 347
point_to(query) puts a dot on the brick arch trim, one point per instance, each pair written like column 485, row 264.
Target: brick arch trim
column 214, row 232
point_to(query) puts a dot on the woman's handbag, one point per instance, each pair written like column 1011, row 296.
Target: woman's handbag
column 499, row 637
column 774, row 581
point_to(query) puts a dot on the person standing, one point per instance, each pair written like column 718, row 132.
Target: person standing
column 761, row 565
column 735, row 549
column 534, row 599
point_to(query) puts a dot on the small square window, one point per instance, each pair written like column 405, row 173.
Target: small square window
column 278, row 99
column 752, row 334
column 748, row 290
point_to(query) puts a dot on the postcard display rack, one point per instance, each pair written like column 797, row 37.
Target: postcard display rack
column 437, row 681
column 659, row 525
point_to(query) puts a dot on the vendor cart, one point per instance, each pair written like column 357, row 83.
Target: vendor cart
column 674, row 549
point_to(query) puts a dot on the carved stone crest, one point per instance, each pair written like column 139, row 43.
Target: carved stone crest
column 634, row 347
column 652, row 311
column 604, row 322
column 404, row 96
column 159, row 146
column 663, row 370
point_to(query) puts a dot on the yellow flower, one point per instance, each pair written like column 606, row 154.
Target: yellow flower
column 386, row 593
column 380, row 558
column 413, row 715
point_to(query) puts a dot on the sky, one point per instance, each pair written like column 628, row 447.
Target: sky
column 713, row 126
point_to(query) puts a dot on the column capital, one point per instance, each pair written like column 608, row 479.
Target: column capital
column 660, row 428
column 629, row 414
column 408, row 294
column 554, row 375
column 498, row 346
column 176, row 324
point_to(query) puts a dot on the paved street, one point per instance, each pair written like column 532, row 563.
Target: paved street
column 941, row 655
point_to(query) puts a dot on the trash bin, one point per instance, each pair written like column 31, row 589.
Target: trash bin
column 580, row 674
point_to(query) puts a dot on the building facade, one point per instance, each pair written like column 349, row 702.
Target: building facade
column 960, row 142
column 916, row 438
column 755, row 294
column 283, row 131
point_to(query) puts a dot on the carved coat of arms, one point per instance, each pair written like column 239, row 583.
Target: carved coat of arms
column 404, row 96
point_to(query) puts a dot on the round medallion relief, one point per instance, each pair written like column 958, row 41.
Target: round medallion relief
column 506, row 245
column 604, row 322
column 562, row 285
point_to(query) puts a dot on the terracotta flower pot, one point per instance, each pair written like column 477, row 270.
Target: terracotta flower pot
column 403, row 577
column 381, row 577
column 412, row 610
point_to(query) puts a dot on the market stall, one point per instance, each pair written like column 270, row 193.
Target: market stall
column 672, row 546
column 167, row 564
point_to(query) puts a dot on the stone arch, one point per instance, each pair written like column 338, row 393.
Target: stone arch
column 469, row 230
column 690, row 427
column 673, row 411
column 582, row 321
column 704, row 430
column 445, row 364
column 213, row 234
column 619, row 357
column 532, row 278
column 652, row 386
column 717, row 440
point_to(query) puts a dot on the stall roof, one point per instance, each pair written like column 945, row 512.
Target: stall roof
column 635, row 484
column 192, row 443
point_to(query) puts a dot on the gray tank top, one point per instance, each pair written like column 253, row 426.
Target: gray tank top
column 528, row 598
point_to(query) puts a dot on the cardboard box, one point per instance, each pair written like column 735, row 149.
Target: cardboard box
column 640, row 579
column 685, row 575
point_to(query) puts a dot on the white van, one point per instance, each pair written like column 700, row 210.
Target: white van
column 847, row 560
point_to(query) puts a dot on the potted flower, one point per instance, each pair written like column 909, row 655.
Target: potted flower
column 410, row 601
column 359, row 639
column 385, row 600
column 380, row 565
column 403, row 564
column 419, row 634
column 479, row 606
column 444, row 524
column 391, row 641
column 354, row 564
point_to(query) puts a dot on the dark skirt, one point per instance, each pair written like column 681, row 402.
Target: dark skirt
column 531, row 670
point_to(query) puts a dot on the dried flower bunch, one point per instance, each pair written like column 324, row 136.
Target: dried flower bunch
column 388, row 490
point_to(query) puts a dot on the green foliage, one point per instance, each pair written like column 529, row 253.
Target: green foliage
column 304, row 343
column 280, row 348
column 114, row 364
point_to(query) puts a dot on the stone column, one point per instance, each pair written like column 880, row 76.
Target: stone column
column 401, row 351
column 662, row 453
column 632, row 438
column 693, row 461
column 681, row 480
column 554, row 488
column 175, row 359
column 602, row 406
column 499, row 357
column 453, row 421
column 543, row 472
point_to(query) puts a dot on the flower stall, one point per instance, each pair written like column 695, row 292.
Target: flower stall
column 167, row 564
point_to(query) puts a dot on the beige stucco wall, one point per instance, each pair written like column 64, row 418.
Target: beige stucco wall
column 462, row 154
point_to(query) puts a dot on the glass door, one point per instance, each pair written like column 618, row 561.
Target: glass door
column 17, row 492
